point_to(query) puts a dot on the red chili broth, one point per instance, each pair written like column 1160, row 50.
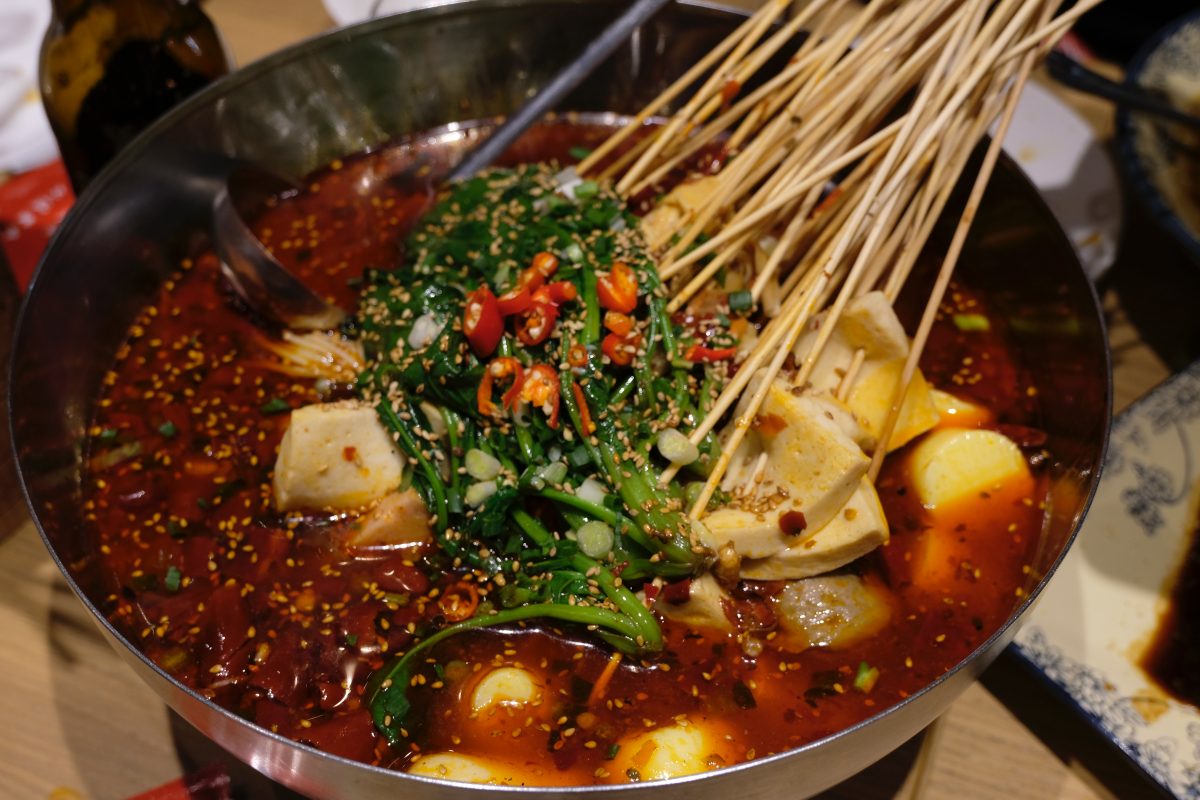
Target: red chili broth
column 279, row 624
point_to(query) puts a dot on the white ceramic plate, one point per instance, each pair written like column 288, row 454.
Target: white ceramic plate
column 1071, row 168
column 1101, row 609
column 25, row 137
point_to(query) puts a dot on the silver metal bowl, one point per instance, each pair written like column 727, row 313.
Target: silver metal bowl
column 361, row 87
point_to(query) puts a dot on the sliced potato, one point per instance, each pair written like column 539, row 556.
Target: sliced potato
column 954, row 464
column 856, row 530
column 335, row 456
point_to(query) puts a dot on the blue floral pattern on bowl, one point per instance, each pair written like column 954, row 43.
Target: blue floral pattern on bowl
column 1089, row 628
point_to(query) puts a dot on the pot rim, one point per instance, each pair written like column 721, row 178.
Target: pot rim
column 422, row 9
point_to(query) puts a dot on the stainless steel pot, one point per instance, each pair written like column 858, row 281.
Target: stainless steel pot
column 360, row 87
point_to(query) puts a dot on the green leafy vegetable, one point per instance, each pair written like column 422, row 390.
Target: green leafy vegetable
column 594, row 422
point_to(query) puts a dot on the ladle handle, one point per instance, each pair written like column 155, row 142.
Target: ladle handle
column 1070, row 72
column 566, row 80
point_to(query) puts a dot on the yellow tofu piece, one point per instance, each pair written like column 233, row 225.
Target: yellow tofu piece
column 811, row 458
column 676, row 209
column 670, row 752
column 398, row 520
column 954, row 464
column 703, row 609
column 869, row 322
column 871, row 396
column 335, row 456
column 857, row 529
column 511, row 686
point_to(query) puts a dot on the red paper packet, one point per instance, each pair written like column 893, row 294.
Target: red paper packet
column 31, row 206
column 208, row 783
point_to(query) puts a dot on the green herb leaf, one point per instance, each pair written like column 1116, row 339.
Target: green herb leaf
column 172, row 579
column 579, row 153
column 275, row 405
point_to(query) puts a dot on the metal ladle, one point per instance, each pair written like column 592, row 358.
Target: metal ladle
column 271, row 289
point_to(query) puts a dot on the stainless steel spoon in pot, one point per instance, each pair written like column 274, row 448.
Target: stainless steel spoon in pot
column 272, row 290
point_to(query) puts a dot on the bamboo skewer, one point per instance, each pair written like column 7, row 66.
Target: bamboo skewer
column 890, row 106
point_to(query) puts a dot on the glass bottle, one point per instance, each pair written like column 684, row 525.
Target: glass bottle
column 111, row 67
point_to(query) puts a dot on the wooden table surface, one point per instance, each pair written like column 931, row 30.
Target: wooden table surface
column 81, row 725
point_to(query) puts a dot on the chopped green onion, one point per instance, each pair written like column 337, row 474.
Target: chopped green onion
column 574, row 252
column 592, row 491
column 579, row 153
column 107, row 435
column 865, row 678
column 579, row 457
column 168, row 429
column 586, row 190
column 613, row 749
column 478, row 493
column 595, row 539
column 676, row 448
column 741, row 300
column 972, row 322
column 691, row 493
column 171, row 581
column 553, row 473
column 275, row 405
column 481, row 466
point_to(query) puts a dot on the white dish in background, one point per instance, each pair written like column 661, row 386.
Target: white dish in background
column 1100, row 611
column 1060, row 153
column 26, row 140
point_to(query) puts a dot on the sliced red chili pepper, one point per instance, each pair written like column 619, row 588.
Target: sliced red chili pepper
column 459, row 601
column 618, row 323
column 617, row 290
column 585, row 415
column 699, row 352
column 620, row 349
column 544, row 265
column 499, row 368
column 536, row 325
column 577, row 356
column 514, row 301
column 541, row 389
column 482, row 323
column 561, row 292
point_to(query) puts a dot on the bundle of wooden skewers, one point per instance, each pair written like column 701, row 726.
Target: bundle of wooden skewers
column 833, row 170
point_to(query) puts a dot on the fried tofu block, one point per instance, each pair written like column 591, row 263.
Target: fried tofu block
column 399, row 519
column 704, row 607
column 856, row 530
column 955, row 464
column 812, row 466
column 335, row 456
column 869, row 324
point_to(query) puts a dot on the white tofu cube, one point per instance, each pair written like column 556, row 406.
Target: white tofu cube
column 335, row 456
